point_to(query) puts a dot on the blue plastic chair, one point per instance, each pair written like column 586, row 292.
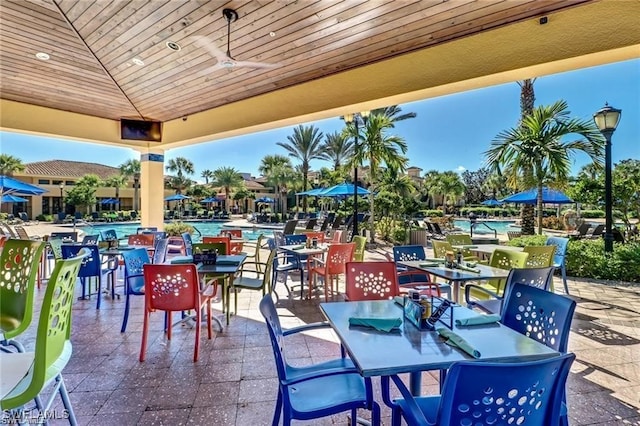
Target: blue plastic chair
column 542, row 316
column 188, row 244
column 160, row 250
column 90, row 239
column 479, row 393
column 559, row 257
column 318, row 390
column 536, row 277
column 109, row 235
column 401, row 253
column 90, row 268
column 134, row 260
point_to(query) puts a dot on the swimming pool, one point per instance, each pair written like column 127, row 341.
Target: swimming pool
column 202, row 228
column 501, row 226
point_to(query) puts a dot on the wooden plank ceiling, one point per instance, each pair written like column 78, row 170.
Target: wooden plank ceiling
column 93, row 47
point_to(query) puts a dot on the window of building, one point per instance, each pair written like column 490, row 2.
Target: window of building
column 56, row 182
column 69, row 182
column 43, row 181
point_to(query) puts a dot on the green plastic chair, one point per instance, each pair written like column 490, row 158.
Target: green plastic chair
column 19, row 261
column 53, row 347
column 361, row 243
column 462, row 240
column 539, row 256
column 440, row 248
column 503, row 259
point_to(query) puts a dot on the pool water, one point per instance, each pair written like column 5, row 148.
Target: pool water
column 202, row 228
column 501, row 226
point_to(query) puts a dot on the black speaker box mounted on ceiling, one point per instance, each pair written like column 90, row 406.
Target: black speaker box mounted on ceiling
column 141, row 130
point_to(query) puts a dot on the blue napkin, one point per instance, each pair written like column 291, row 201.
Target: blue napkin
column 380, row 324
column 478, row 320
column 456, row 341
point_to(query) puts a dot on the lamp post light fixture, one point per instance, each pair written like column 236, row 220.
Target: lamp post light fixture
column 607, row 119
column 61, row 197
column 356, row 119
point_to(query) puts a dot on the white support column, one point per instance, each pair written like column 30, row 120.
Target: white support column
column 152, row 188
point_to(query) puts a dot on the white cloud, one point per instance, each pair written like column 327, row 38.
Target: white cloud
column 461, row 169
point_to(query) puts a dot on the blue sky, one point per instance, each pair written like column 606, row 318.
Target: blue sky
column 449, row 132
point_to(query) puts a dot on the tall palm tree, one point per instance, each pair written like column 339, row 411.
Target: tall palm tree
column 278, row 170
column 228, row 178
column 207, row 175
column 394, row 113
column 450, row 186
column 10, row 164
column 378, row 148
column 338, row 148
column 117, row 182
column 527, row 103
column 537, row 145
column 305, row 145
column 131, row 169
column 183, row 168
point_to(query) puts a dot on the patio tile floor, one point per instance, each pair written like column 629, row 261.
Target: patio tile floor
column 235, row 383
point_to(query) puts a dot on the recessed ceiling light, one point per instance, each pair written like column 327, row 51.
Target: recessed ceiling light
column 272, row 34
column 138, row 61
column 42, row 56
column 173, row 46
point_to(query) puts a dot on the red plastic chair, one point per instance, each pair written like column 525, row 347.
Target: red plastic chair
column 332, row 267
column 371, row 281
column 337, row 237
column 318, row 235
column 427, row 288
column 226, row 240
column 232, row 233
column 146, row 240
column 172, row 288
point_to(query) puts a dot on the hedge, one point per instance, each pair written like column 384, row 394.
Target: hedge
column 586, row 258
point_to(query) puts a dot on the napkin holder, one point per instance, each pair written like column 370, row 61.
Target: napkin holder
column 414, row 312
column 205, row 258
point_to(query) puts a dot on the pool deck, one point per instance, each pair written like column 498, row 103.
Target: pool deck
column 235, row 383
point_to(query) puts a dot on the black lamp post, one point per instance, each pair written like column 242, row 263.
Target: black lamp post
column 61, row 197
column 607, row 120
column 355, row 119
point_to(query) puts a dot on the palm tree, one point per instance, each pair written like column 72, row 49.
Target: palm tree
column 536, row 145
column 378, row 148
column 451, row 187
column 527, row 102
column 305, row 144
column 117, row 182
column 206, row 174
column 182, row 167
column 278, row 170
column 228, row 178
column 338, row 148
column 394, row 113
column 131, row 169
column 10, row 164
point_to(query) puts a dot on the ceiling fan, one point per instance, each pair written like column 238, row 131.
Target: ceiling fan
column 225, row 60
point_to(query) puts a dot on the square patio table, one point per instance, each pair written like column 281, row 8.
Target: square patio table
column 457, row 276
column 293, row 250
column 410, row 350
column 485, row 251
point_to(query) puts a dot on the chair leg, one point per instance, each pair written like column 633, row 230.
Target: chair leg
column 145, row 329
column 125, row 320
column 209, row 314
column 99, row 284
column 66, row 401
column 563, row 270
column 276, row 414
column 169, row 324
column 196, row 350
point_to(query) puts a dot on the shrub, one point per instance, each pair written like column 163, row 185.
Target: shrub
column 175, row 229
column 586, row 259
column 432, row 213
column 44, row 218
column 385, row 227
column 552, row 222
column 592, row 214
column 399, row 235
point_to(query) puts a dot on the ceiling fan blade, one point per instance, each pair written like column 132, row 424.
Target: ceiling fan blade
column 210, row 46
column 250, row 64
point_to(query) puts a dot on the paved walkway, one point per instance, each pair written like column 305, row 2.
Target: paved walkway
column 234, row 382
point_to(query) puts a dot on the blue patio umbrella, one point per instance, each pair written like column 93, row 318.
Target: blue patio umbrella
column 315, row 192
column 176, row 197
column 9, row 185
column 265, row 200
column 343, row 190
column 491, row 202
column 110, row 201
column 549, row 196
column 8, row 198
